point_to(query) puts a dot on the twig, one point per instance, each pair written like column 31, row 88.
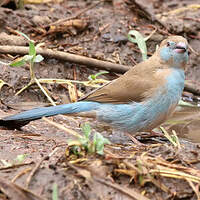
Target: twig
column 37, row 167
column 195, row 188
column 14, row 191
column 20, row 174
column 61, row 127
column 34, row 171
column 130, row 192
column 193, row 51
column 15, row 166
column 89, row 62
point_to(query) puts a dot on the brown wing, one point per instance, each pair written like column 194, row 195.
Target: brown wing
column 132, row 86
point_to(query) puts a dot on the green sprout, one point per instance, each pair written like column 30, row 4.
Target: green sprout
column 136, row 37
column 186, row 104
column 31, row 58
column 55, row 192
column 93, row 77
column 89, row 144
column 18, row 160
column 172, row 138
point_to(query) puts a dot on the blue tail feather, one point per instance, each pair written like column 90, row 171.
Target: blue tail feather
column 37, row 113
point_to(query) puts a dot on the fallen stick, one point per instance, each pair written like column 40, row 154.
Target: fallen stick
column 89, row 62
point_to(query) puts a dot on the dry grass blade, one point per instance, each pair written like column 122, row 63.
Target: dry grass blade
column 72, row 132
column 145, row 168
column 90, row 177
column 157, row 166
column 173, row 139
column 91, row 83
column 130, row 192
column 175, row 174
column 195, row 188
column 13, row 191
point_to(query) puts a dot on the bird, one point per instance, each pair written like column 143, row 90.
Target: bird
column 138, row 101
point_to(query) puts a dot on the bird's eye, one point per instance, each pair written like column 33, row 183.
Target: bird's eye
column 168, row 44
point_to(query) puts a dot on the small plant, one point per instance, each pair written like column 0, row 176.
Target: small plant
column 55, row 192
column 140, row 40
column 90, row 145
column 31, row 58
column 93, row 77
column 186, row 104
column 136, row 37
column 18, row 160
column 172, row 138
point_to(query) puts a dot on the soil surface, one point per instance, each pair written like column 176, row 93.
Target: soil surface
column 158, row 169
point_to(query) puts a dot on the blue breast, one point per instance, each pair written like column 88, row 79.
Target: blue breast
column 135, row 117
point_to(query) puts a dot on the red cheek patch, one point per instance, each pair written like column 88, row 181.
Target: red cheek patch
column 179, row 50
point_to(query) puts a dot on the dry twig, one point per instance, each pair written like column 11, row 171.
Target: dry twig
column 89, row 62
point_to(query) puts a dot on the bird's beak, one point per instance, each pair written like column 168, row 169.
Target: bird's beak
column 181, row 47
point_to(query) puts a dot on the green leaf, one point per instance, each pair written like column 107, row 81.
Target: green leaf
column 28, row 58
column 141, row 179
column 32, row 51
column 84, row 141
column 91, row 77
column 86, row 129
column 95, row 140
column 20, row 158
column 140, row 40
column 38, row 58
column 94, row 76
column 183, row 103
column 24, row 35
column 91, row 146
column 100, row 142
column 18, row 63
column 55, row 192
column 101, row 73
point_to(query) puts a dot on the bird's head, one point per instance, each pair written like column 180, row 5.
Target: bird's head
column 174, row 51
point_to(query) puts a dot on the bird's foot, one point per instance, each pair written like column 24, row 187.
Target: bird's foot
column 156, row 134
column 135, row 141
column 152, row 134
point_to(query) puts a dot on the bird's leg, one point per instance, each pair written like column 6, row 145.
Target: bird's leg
column 135, row 141
column 156, row 134
column 152, row 134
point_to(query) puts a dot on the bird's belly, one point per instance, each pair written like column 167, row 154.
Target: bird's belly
column 136, row 117
column 162, row 117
